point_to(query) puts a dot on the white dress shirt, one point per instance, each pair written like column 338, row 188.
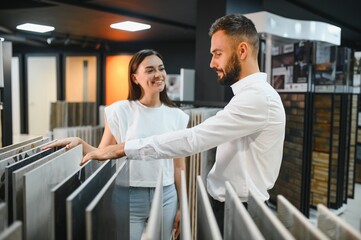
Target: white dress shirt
column 249, row 134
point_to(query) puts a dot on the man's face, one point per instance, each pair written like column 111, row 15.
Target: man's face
column 224, row 59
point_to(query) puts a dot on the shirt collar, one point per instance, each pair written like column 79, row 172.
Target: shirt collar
column 237, row 86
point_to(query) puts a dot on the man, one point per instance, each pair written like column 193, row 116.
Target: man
column 249, row 132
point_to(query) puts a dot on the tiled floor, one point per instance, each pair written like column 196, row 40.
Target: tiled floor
column 352, row 213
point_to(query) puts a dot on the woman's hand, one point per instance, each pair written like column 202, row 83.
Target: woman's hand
column 69, row 143
column 176, row 225
column 102, row 154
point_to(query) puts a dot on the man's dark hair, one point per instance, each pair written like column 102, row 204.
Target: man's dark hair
column 237, row 26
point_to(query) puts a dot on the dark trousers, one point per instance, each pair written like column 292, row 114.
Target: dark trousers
column 218, row 210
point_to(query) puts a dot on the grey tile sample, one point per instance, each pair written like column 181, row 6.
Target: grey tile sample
column 107, row 216
column 333, row 226
column 154, row 227
column 23, row 148
column 18, row 183
column 296, row 223
column 17, row 145
column 61, row 191
column 238, row 224
column 13, row 232
column 207, row 227
column 9, row 180
column 77, row 202
column 17, row 155
column 37, row 185
column 185, row 221
column 3, row 216
column 267, row 222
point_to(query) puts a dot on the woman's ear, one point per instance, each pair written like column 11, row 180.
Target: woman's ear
column 134, row 79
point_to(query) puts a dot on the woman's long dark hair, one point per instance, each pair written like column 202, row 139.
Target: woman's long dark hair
column 135, row 90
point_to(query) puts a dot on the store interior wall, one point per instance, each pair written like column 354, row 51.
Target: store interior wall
column 41, row 82
column 80, row 78
column 15, row 95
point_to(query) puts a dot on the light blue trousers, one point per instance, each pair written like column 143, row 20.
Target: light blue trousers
column 140, row 201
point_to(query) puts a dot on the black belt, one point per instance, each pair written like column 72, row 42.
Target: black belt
column 219, row 204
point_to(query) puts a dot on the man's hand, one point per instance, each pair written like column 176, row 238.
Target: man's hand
column 105, row 153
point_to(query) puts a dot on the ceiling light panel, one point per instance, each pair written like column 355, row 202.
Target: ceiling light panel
column 130, row 26
column 35, row 27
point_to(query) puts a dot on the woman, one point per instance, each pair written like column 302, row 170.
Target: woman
column 147, row 111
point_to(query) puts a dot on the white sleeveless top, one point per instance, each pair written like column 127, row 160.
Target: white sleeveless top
column 132, row 120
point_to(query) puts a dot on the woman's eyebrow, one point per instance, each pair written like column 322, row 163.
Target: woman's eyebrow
column 151, row 67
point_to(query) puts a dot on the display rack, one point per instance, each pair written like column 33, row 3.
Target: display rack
column 319, row 155
column 5, row 94
column 313, row 76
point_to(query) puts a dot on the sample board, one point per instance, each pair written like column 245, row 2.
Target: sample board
column 77, row 202
column 18, row 183
column 39, row 182
column 61, row 191
column 107, row 216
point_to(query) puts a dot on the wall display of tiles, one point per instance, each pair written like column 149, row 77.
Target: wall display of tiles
column 358, row 145
column 336, row 163
column 321, row 149
column 199, row 163
column 356, row 85
column 352, row 146
column 68, row 114
column 318, row 153
column 90, row 134
column 289, row 182
column 330, row 161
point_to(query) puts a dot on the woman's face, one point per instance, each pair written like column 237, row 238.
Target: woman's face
column 150, row 75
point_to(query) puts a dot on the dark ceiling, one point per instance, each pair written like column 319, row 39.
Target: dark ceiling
column 87, row 21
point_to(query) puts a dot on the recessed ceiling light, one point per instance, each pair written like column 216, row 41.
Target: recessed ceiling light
column 2, row 39
column 35, row 27
column 130, row 26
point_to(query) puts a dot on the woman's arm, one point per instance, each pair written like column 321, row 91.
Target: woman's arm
column 107, row 138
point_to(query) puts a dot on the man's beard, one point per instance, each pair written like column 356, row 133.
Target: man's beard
column 232, row 71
